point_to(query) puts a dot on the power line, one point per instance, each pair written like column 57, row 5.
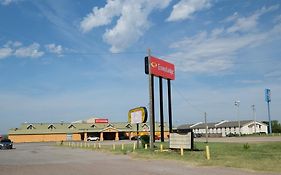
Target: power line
column 188, row 101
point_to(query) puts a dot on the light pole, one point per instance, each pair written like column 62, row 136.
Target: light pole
column 237, row 104
column 254, row 115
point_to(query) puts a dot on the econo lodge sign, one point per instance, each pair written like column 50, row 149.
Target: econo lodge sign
column 160, row 68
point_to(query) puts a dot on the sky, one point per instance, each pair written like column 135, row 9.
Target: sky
column 69, row 60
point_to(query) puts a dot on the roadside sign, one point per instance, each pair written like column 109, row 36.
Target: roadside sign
column 160, row 68
column 137, row 115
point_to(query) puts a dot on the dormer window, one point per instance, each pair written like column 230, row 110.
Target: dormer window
column 71, row 126
column 51, row 127
column 30, row 127
column 110, row 125
column 144, row 125
column 128, row 125
column 93, row 126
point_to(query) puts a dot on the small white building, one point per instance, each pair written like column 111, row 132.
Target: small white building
column 225, row 128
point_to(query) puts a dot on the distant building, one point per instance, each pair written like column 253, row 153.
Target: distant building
column 77, row 131
column 225, row 128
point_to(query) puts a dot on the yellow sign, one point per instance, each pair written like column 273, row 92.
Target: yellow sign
column 137, row 115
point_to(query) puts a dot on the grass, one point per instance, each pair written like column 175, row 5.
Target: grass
column 253, row 156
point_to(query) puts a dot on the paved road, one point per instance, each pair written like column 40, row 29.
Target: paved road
column 46, row 159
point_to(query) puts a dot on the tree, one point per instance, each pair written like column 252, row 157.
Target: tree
column 276, row 126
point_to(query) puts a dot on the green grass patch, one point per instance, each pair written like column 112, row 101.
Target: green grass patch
column 251, row 156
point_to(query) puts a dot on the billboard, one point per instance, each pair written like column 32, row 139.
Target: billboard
column 137, row 115
column 160, row 68
column 267, row 95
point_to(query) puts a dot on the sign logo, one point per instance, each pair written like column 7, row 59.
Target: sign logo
column 153, row 64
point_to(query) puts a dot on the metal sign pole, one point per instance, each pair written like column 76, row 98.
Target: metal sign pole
column 161, row 109
column 138, row 139
column 269, row 119
column 170, row 106
column 151, row 104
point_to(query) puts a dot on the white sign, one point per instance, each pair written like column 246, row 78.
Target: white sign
column 136, row 117
column 178, row 141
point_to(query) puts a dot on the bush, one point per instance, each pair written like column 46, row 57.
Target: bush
column 144, row 140
column 246, row 146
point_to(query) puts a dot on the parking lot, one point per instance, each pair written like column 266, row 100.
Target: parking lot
column 46, row 159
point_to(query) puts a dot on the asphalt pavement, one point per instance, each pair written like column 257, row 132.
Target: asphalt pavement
column 47, row 159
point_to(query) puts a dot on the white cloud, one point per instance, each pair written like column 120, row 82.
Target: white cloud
column 205, row 53
column 17, row 49
column 214, row 52
column 184, row 9
column 132, row 20
column 53, row 48
column 250, row 81
column 5, row 2
column 8, row 2
column 245, row 24
column 29, row 51
column 103, row 16
column 5, row 52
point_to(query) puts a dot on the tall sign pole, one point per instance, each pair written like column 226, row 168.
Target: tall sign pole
column 170, row 106
column 162, row 69
column 151, row 103
column 161, row 109
column 268, row 100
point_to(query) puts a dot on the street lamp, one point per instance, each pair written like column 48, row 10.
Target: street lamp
column 237, row 104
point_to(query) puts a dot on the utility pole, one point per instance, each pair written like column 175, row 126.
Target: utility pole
column 206, row 127
column 268, row 100
column 237, row 104
column 254, row 115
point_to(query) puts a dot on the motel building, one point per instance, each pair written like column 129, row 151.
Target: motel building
column 226, row 128
column 80, row 131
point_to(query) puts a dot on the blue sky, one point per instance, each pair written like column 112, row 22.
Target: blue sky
column 69, row 60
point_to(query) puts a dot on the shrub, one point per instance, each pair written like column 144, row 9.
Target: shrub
column 246, row 146
column 144, row 140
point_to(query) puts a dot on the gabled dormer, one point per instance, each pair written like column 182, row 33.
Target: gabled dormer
column 128, row 125
column 51, row 126
column 110, row 125
column 29, row 127
column 71, row 126
column 93, row 126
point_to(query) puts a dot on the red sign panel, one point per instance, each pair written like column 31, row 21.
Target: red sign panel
column 101, row 120
column 162, row 68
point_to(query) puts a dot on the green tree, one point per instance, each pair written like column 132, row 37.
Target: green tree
column 276, row 126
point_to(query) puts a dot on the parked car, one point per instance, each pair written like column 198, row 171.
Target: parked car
column 135, row 138
column 92, row 138
column 156, row 137
column 6, row 144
